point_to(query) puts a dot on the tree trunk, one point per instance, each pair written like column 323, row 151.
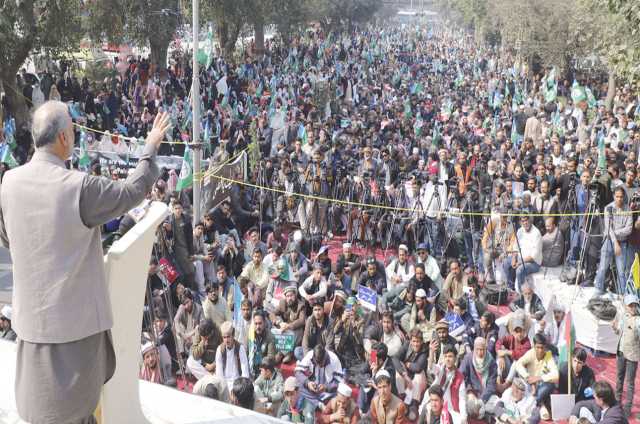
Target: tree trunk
column 611, row 90
column 158, row 57
column 16, row 105
column 258, row 29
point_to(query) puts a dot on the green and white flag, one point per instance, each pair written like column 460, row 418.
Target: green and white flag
column 185, row 180
column 550, row 87
column 7, row 157
column 591, row 99
column 84, row 160
column 578, row 94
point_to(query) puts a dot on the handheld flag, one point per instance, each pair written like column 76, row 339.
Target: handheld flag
column 578, row 93
column 635, row 271
column 185, row 179
column 84, row 159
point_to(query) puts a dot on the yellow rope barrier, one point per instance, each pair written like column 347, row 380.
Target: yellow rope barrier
column 398, row 209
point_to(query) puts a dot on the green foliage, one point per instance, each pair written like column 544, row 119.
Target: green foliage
column 33, row 26
column 555, row 32
column 27, row 26
column 150, row 23
column 345, row 13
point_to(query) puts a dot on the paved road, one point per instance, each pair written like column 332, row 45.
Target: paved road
column 6, row 276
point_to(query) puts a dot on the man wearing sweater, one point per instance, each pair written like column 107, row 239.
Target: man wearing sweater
column 540, row 371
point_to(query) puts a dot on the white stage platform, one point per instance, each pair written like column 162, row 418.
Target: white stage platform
column 125, row 399
column 160, row 404
column 590, row 331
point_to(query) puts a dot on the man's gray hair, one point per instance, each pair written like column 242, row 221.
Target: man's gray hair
column 48, row 121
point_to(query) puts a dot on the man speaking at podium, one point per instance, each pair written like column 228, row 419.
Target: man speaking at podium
column 50, row 219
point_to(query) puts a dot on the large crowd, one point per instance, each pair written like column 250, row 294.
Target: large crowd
column 409, row 181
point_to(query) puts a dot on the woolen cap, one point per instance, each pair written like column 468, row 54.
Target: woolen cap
column 290, row 384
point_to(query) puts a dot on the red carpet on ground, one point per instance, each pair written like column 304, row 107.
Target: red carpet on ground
column 604, row 367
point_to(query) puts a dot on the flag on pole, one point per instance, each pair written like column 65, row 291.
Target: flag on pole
column 566, row 345
column 578, row 93
column 550, row 86
column 635, row 271
column 591, row 99
column 185, row 179
column 237, row 301
column 84, row 160
column 7, row 157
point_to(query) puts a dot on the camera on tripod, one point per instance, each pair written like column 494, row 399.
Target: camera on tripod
column 634, row 203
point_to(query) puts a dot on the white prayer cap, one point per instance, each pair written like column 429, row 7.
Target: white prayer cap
column 6, row 312
column 421, row 293
column 146, row 348
column 344, row 390
column 403, row 247
column 346, row 245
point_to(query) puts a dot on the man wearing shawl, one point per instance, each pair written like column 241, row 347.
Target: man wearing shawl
column 480, row 371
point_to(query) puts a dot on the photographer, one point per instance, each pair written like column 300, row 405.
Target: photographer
column 497, row 237
column 617, row 229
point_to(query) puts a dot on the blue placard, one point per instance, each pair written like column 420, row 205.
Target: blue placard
column 367, row 297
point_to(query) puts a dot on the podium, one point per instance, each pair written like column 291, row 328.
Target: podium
column 126, row 267
column 125, row 398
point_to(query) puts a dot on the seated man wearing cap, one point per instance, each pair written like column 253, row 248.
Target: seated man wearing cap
column 431, row 266
column 386, row 408
column 324, row 260
column 335, row 307
column 289, row 316
column 438, row 342
column 419, row 280
column 517, row 405
column 269, row 387
column 150, row 369
column 399, row 271
column 295, row 408
column 318, row 374
column 350, row 264
column 6, row 332
column 422, row 315
column 297, row 263
column 341, row 409
column 278, row 280
column 480, row 371
column 512, row 347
